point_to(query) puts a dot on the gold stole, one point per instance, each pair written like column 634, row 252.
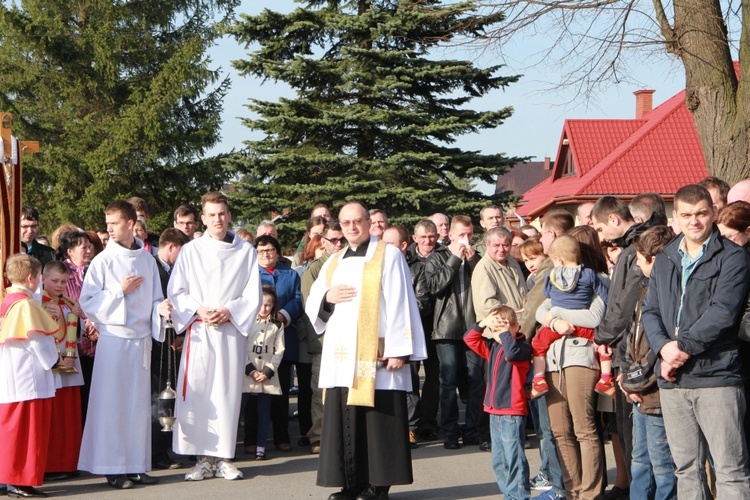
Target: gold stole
column 362, row 392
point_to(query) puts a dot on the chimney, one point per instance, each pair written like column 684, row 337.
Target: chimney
column 644, row 102
column 547, row 166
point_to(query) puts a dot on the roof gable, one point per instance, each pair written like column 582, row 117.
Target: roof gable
column 659, row 152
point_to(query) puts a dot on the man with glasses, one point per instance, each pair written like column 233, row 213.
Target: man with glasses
column 29, row 229
column 186, row 219
column 364, row 301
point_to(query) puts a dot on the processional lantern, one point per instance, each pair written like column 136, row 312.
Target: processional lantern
column 11, row 150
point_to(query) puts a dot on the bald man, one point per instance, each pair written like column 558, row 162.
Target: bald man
column 739, row 192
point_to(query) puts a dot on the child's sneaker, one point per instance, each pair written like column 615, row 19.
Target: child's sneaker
column 605, row 388
column 539, row 388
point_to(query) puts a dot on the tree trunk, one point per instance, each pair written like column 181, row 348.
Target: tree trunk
column 713, row 93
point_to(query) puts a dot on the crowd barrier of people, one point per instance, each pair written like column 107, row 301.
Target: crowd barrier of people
column 626, row 327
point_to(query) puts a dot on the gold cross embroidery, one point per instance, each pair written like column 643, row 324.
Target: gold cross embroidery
column 341, row 353
column 407, row 333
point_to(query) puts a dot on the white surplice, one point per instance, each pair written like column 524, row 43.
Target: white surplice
column 214, row 274
column 399, row 324
column 117, row 434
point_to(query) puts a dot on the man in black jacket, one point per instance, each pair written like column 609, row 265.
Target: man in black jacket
column 448, row 275
column 170, row 243
column 614, row 222
column 697, row 289
column 29, row 229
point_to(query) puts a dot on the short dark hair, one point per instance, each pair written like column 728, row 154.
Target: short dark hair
column 55, row 265
column 693, row 194
column 560, row 220
column 70, row 239
column 267, row 239
column 123, row 207
column 652, row 241
column 607, row 205
column 332, row 225
column 315, row 221
column 186, row 209
column 403, row 233
column 427, row 225
column 647, row 204
column 720, row 185
column 215, row 197
column 174, row 236
column 138, row 204
column 29, row 213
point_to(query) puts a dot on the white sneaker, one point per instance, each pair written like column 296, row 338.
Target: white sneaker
column 227, row 470
column 203, row 469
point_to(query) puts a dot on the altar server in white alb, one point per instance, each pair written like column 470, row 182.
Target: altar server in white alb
column 364, row 302
column 121, row 295
column 215, row 291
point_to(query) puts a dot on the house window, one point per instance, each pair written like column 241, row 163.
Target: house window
column 568, row 167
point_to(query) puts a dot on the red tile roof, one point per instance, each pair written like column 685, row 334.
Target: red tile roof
column 659, row 152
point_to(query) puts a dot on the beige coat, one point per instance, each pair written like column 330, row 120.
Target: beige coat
column 494, row 284
column 265, row 348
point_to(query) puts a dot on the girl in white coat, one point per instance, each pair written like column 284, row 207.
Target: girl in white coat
column 265, row 348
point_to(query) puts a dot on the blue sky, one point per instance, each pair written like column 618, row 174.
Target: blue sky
column 536, row 125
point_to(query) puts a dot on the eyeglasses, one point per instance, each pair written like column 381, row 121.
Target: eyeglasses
column 347, row 223
column 184, row 222
column 334, row 241
column 267, row 251
column 29, row 226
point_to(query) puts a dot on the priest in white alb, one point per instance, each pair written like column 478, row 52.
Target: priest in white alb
column 122, row 297
column 364, row 302
column 215, row 291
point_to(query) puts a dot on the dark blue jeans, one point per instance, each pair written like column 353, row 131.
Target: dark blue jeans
column 508, row 458
column 652, row 465
column 455, row 358
column 550, row 466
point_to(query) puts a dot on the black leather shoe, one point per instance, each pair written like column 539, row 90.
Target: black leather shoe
column 143, row 478
column 303, row 441
column 60, row 476
column 25, row 492
column 344, row 494
column 374, row 493
column 167, row 464
column 485, row 446
column 120, row 482
column 451, row 443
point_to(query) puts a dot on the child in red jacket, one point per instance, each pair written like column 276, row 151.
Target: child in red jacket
column 498, row 339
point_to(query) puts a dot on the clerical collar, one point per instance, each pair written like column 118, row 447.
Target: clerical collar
column 360, row 251
column 134, row 246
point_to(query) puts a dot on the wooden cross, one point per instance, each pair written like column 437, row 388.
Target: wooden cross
column 10, row 188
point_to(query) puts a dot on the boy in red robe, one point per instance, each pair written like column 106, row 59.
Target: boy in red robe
column 27, row 355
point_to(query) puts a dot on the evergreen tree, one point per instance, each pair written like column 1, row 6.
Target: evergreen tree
column 374, row 117
column 121, row 97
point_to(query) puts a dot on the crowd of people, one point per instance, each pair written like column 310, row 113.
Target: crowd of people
column 621, row 325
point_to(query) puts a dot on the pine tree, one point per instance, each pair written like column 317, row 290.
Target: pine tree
column 374, row 117
column 122, row 98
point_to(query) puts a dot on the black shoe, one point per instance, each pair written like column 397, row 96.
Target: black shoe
column 485, row 446
column 167, row 464
column 374, row 493
column 4, row 491
column 344, row 494
column 428, row 435
column 60, row 476
column 470, row 440
column 25, row 492
column 303, row 441
column 120, row 482
column 143, row 478
column 617, row 493
column 451, row 443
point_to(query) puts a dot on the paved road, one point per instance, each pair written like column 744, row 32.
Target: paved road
column 439, row 474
